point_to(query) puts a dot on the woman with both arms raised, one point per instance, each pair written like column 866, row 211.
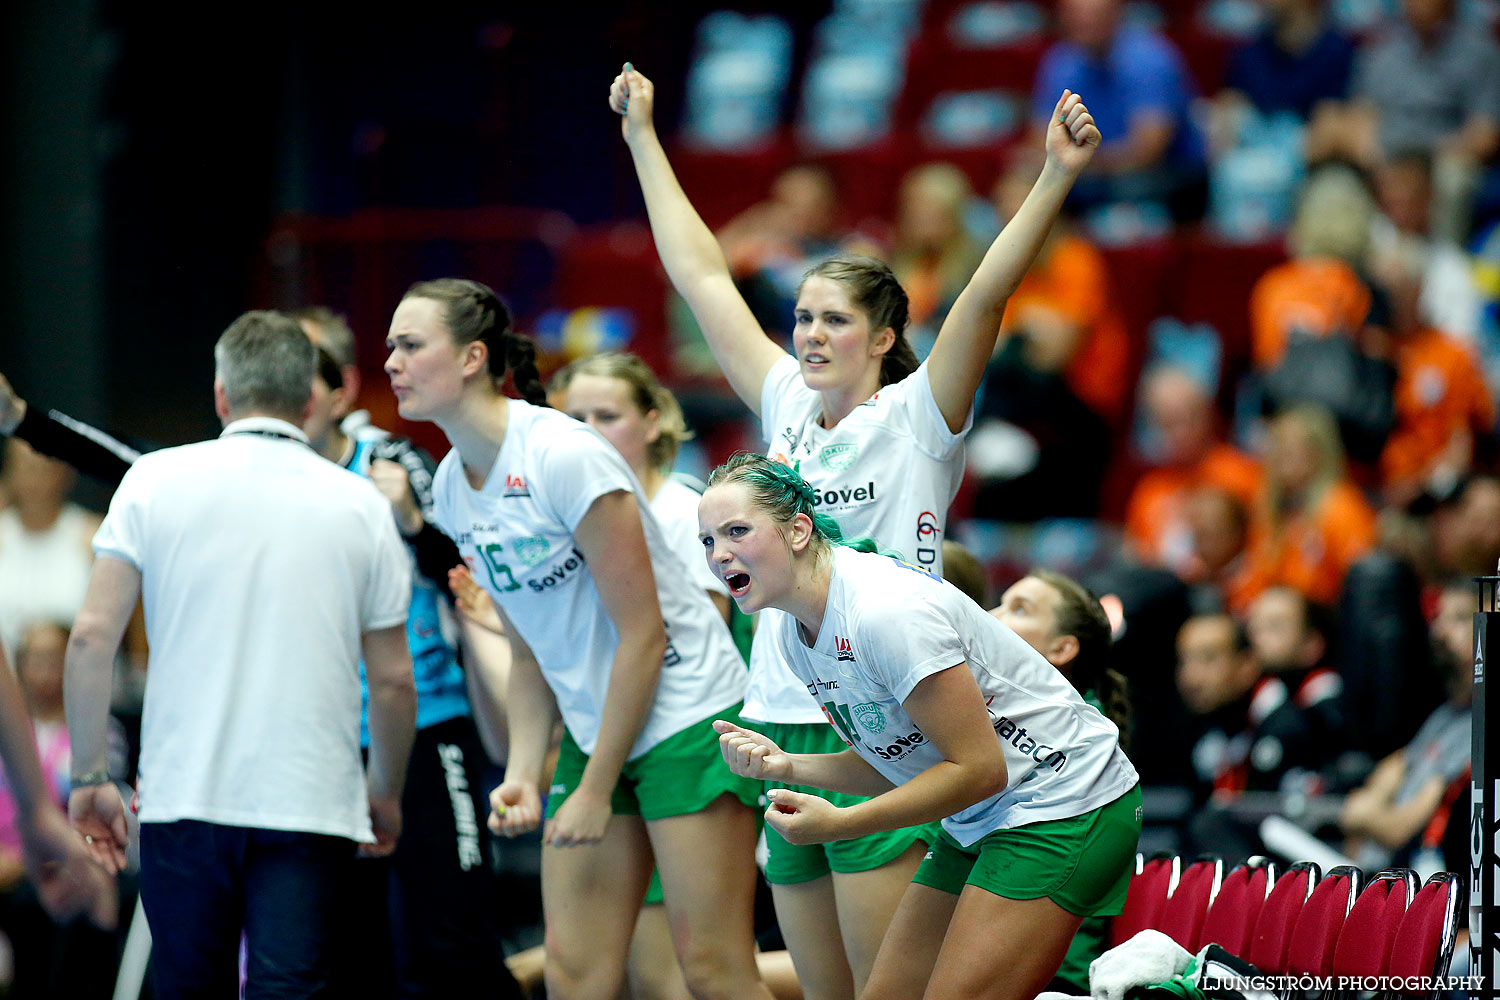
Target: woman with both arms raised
column 880, row 440
column 949, row 715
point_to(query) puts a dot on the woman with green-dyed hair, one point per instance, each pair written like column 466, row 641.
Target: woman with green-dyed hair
column 949, row 716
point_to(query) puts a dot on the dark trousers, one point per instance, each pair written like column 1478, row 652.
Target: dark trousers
column 443, row 934
column 204, row 884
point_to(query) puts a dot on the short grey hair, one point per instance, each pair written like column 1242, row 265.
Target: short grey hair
column 266, row 363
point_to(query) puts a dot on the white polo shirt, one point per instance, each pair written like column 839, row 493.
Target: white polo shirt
column 887, row 626
column 261, row 563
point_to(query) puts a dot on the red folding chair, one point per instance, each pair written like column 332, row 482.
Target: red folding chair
column 1273, row 928
column 1364, row 945
column 1317, row 929
column 1149, row 888
column 1232, row 915
column 1424, row 941
column 1187, row 906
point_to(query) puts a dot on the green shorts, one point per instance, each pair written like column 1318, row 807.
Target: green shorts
column 680, row 775
column 790, row 864
column 1082, row 863
column 654, row 895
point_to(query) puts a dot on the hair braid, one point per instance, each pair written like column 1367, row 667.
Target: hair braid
column 472, row 311
column 520, row 358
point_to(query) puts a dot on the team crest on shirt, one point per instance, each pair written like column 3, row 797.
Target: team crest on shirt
column 531, row 551
column 838, row 457
column 869, row 715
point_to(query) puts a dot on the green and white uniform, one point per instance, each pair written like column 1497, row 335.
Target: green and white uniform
column 887, row 626
column 516, row 534
column 887, row 471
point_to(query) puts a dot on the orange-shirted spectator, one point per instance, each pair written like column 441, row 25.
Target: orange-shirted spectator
column 1219, row 523
column 933, row 255
column 1310, row 523
column 1442, row 402
column 1317, row 292
column 1157, row 522
column 1064, row 304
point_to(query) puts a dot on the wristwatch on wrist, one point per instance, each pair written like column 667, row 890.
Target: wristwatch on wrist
column 99, row 777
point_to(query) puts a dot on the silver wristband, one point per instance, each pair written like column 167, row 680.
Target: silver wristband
column 99, row 777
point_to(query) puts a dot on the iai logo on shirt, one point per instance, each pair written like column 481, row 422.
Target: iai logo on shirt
column 869, row 715
column 838, row 457
column 531, row 551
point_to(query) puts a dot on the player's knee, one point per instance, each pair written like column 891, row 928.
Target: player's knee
column 577, row 974
column 708, row 970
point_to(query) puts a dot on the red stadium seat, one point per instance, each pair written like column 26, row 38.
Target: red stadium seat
column 1424, row 941
column 1182, row 917
column 1369, row 931
column 1272, row 937
column 1147, row 896
column 935, row 66
column 1237, row 906
column 1317, row 928
column 1211, row 284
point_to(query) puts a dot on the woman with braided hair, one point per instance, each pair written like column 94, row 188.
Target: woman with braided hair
column 608, row 629
column 879, row 439
column 947, row 715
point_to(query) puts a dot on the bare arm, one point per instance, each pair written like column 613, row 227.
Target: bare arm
column 753, row 755
column 688, row 250
column 67, row 881
column 948, row 707
column 1372, row 811
column 96, row 808
column 487, row 662
column 614, row 546
column 23, row 771
column 531, row 713
column 113, row 588
column 968, row 335
column 393, row 716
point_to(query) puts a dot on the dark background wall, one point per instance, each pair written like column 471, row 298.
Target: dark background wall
column 149, row 147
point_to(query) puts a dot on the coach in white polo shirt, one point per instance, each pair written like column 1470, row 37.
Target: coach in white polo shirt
column 266, row 571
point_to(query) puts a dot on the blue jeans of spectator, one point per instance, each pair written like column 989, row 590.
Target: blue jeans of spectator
column 204, row 884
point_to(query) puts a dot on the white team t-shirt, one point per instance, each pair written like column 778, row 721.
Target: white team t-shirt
column 676, row 508
column 886, row 627
column 516, row 534
column 887, row 471
column 262, row 563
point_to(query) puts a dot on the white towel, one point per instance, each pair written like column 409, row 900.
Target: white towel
column 1148, row 958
